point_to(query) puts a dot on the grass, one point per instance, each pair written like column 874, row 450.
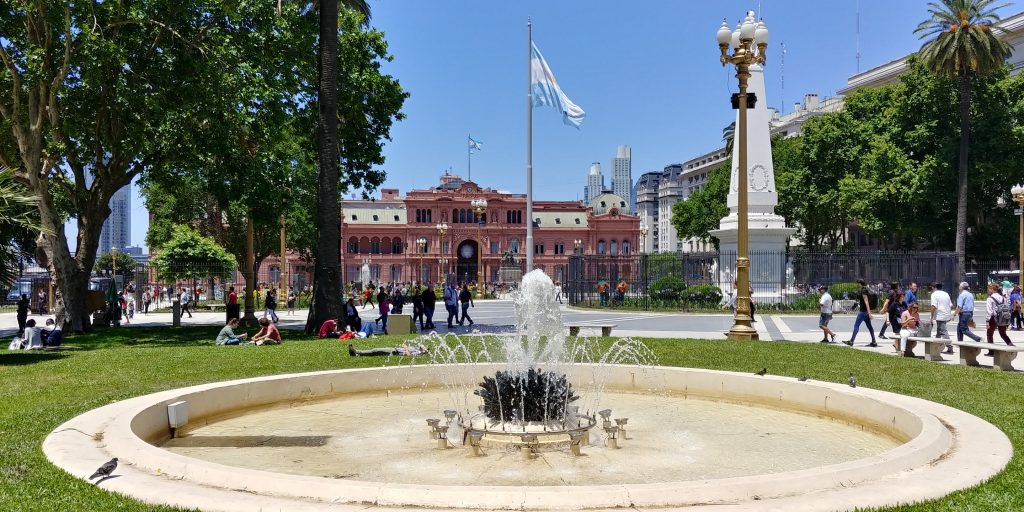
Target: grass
column 42, row 390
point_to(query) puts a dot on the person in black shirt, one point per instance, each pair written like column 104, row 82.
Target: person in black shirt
column 466, row 299
column 863, row 314
column 23, row 305
column 429, row 301
column 417, row 306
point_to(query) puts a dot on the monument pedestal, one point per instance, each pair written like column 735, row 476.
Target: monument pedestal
column 767, row 239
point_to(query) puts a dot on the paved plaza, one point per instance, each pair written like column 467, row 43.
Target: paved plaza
column 498, row 316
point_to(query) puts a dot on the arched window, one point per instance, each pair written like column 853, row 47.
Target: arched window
column 600, row 247
column 455, row 215
column 430, row 215
column 353, row 245
column 615, row 248
column 375, row 246
column 462, row 216
column 385, row 245
column 513, row 245
column 396, row 246
column 418, row 218
column 625, row 247
column 508, row 217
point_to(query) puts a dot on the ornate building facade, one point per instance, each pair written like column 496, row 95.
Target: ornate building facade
column 397, row 237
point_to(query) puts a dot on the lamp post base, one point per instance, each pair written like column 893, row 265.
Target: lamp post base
column 740, row 332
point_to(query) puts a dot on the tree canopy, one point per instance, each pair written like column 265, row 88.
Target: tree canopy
column 190, row 255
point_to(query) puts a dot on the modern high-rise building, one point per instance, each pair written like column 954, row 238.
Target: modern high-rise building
column 622, row 174
column 595, row 183
column 117, row 229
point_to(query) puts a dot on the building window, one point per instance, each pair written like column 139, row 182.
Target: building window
column 419, row 218
column 558, row 220
column 430, row 214
column 559, row 248
column 513, row 245
column 396, row 218
column 374, row 246
column 577, row 219
column 600, row 247
column 494, row 247
column 353, row 246
column 375, row 218
column 615, row 248
column 455, row 215
column 396, row 246
column 539, row 248
column 354, row 217
column 625, row 247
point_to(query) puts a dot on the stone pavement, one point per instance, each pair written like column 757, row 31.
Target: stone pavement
column 497, row 316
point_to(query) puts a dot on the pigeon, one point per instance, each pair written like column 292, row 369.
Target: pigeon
column 762, row 372
column 105, row 470
column 852, row 381
column 802, row 378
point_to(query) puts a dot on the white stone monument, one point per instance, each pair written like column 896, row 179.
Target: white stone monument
column 767, row 231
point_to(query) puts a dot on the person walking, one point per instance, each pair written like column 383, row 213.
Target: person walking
column 965, row 311
column 270, row 305
column 466, row 300
column 417, row 305
column 368, row 296
column 558, row 291
column 1016, row 318
column 451, row 302
column 232, row 306
column 889, row 312
column 828, row 336
column 147, row 297
column 23, row 307
column 942, row 313
column 42, row 308
column 429, row 301
column 864, row 303
column 384, row 307
column 186, row 301
column 291, row 301
column 997, row 307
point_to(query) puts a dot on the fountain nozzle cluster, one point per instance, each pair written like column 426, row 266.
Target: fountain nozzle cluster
column 438, row 432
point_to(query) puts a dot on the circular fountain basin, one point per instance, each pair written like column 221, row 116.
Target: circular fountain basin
column 345, row 439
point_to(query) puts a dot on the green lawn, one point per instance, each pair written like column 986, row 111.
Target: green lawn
column 42, row 390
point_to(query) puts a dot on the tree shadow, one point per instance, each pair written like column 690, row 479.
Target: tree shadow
column 25, row 357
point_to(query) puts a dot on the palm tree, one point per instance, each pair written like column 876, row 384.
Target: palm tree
column 964, row 45
column 728, row 133
column 327, row 268
column 17, row 218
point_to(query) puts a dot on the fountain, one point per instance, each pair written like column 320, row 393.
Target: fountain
column 533, row 420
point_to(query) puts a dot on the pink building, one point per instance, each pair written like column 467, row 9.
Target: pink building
column 397, row 237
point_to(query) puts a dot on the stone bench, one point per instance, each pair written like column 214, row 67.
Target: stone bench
column 1003, row 354
column 932, row 347
column 215, row 307
column 606, row 329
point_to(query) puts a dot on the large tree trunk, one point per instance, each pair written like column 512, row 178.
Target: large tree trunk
column 327, row 262
column 961, row 199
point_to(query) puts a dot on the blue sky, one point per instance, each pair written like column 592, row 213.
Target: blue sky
column 647, row 74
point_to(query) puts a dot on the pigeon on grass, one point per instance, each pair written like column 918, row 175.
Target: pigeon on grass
column 852, row 381
column 105, row 470
column 763, row 372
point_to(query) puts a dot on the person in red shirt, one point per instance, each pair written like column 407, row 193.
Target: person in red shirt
column 329, row 329
column 232, row 306
column 268, row 333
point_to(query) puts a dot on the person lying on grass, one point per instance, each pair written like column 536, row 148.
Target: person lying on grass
column 404, row 350
column 227, row 335
column 268, row 333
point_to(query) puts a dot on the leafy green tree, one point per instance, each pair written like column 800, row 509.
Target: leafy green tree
column 964, row 46
column 703, row 209
column 728, row 134
column 18, row 225
column 189, row 255
column 124, row 264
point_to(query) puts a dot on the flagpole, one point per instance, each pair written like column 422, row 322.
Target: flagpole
column 529, row 145
column 469, row 157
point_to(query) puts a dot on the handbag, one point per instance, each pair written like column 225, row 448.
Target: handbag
column 971, row 324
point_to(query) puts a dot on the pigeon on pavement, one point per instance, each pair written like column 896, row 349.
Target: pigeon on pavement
column 105, row 470
column 802, row 378
column 762, row 372
column 852, row 381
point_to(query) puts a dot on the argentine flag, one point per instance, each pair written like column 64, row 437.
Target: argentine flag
column 475, row 144
column 547, row 92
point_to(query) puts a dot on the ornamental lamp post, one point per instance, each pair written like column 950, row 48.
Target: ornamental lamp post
column 422, row 242
column 442, row 228
column 643, row 236
column 576, row 244
column 1018, row 197
column 479, row 206
column 749, row 43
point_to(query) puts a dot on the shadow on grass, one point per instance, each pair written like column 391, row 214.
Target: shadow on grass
column 21, row 358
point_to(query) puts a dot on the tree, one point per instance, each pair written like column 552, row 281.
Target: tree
column 964, row 45
column 702, row 211
column 18, row 225
column 124, row 264
column 190, row 256
column 728, row 133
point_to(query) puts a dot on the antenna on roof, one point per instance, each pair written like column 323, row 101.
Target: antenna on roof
column 858, row 36
column 782, row 78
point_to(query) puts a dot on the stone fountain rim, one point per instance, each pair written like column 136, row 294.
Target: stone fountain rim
column 947, row 438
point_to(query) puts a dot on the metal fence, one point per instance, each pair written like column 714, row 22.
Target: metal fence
column 779, row 279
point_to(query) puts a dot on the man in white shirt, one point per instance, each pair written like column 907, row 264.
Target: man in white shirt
column 942, row 313
column 826, row 315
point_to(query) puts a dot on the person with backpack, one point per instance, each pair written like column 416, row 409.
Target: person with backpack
column 466, row 300
column 895, row 305
column 866, row 303
column 890, row 300
column 1016, row 318
column 270, row 305
column 998, row 308
column 451, row 303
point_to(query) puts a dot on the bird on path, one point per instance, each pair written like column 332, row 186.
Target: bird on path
column 802, row 378
column 762, row 372
column 106, row 469
column 852, row 381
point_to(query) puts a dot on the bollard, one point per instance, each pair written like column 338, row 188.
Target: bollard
column 575, row 439
column 176, row 313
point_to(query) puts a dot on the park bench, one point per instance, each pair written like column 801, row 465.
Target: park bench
column 1003, row 354
column 606, row 329
column 215, row 307
column 932, row 347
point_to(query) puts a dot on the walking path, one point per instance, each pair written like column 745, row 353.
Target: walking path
column 498, row 316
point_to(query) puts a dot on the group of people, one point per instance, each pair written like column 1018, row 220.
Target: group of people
column 604, row 292
column 901, row 311
column 30, row 337
column 267, row 334
column 392, row 299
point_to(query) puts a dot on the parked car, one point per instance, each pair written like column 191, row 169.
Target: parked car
column 21, row 286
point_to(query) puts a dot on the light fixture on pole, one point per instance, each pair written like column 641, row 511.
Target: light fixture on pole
column 643, row 237
column 749, row 43
column 1018, row 197
column 442, row 228
column 422, row 242
column 576, row 244
column 479, row 206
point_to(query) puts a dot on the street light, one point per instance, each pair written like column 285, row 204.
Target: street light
column 577, row 244
column 749, row 43
column 422, row 242
column 643, row 236
column 1018, row 197
column 479, row 206
column 442, row 228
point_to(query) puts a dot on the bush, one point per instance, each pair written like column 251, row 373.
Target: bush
column 808, row 302
column 668, row 288
column 838, row 290
column 702, row 294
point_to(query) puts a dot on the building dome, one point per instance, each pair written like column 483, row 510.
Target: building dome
column 606, row 201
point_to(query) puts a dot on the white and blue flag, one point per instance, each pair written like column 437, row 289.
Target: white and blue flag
column 546, row 91
column 474, row 144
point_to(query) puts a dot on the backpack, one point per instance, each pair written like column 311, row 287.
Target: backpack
column 872, row 299
column 1003, row 311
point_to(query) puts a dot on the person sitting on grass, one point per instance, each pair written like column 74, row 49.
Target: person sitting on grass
column 227, row 335
column 329, row 329
column 404, row 350
column 268, row 333
column 52, row 336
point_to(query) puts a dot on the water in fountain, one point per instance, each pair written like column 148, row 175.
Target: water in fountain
column 531, row 392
